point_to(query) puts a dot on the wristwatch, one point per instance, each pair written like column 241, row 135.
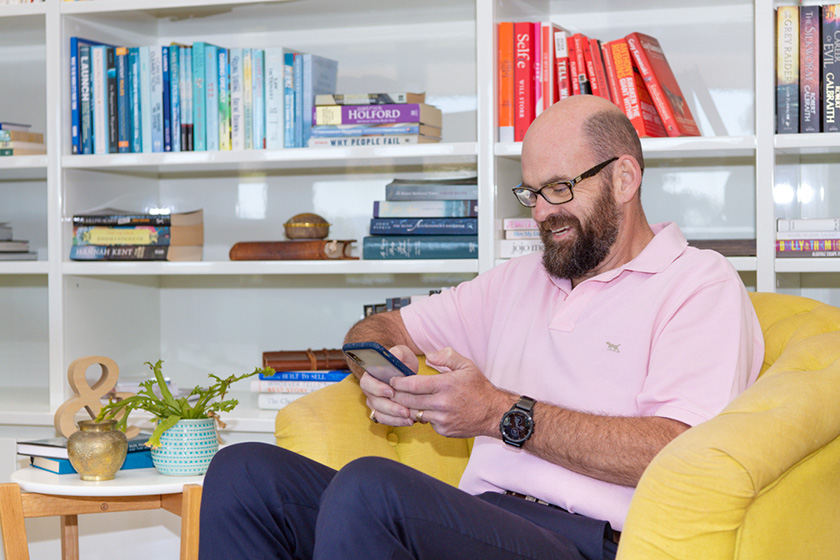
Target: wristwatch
column 517, row 424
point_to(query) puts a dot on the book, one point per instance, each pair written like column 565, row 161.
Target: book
column 563, row 85
column 519, row 223
column 99, row 87
column 22, row 151
column 810, row 46
column 122, row 112
column 806, row 254
column 274, row 98
column 199, row 98
column 581, row 45
column 631, row 94
column 787, row 69
column 115, row 217
column 56, row 447
column 156, row 97
column 831, row 67
column 289, row 99
column 276, row 401
column 727, row 247
column 307, row 375
column 287, row 386
column 113, row 110
column 20, row 127
column 808, row 234
column 187, row 92
column 14, row 246
column 18, row 256
column 510, row 248
column 610, row 74
column 135, row 253
column 134, row 460
column 166, row 98
column 425, row 209
column 237, row 100
column 424, row 226
column 175, row 72
column 356, row 130
column 299, row 249
column 211, row 96
column 381, row 140
column 36, row 147
column 505, row 85
column 377, row 114
column 522, row 234
column 808, row 224
column 6, row 232
column 369, row 98
column 304, row 360
column 85, row 102
column 320, row 75
column 523, row 78
column 139, row 235
column 76, row 85
column 397, row 247
column 134, row 101
column 432, row 189
column 595, row 68
column 145, row 59
column 662, row 85
column 224, row 105
column 783, row 245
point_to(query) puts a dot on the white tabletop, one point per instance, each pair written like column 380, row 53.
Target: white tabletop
column 130, row 482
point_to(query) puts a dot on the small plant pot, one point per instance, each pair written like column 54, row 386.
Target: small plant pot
column 186, row 448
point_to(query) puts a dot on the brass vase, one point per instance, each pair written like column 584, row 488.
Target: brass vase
column 97, row 451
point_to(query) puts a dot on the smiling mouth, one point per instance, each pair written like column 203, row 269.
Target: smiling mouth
column 561, row 230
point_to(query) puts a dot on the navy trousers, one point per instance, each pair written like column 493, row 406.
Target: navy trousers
column 260, row 501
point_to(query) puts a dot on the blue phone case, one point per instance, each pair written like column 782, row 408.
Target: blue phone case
column 376, row 360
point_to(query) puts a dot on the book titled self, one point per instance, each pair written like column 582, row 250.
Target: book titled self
column 388, row 247
column 377, row 114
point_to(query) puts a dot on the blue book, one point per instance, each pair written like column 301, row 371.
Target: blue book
column 175, row 96
column 136, row 136
column 247, row 98
column 320, row 75
column 211, row 96
column 198, row 98
column 224, row 99
column 133, row 460
column 424, row 226
column 425, row 209
column 76, row 43
column 186, row 99
column 274, row 87
column 123, row 111
column 323, row 375
column 258, row 98
column 400, row 247
column 144, row 55
column 166, row 100
column 289, row 100
column 113, row 110
column 298, row 84
column 85, row 102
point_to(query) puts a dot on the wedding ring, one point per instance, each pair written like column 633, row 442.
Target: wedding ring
column 373, row 416
column 419, row 417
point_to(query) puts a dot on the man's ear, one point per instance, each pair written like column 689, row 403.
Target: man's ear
column 627, row 178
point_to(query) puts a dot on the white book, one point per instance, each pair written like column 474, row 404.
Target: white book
column 520, row 223
column 258, row 97
column 320, row 76
column 146, row 98
column 808, row 224
column 247, row 99
column 237, row 115
column 510, row 248
column 99, row 83
column 211, row 95
column 156, row 89
column 276, row 401
column 522, row 234
column 783, row 235
column 274, row 112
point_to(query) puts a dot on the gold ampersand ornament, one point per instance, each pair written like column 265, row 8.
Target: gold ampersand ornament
column 89, row 396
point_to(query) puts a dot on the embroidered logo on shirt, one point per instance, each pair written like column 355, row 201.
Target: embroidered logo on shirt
column 613, row 347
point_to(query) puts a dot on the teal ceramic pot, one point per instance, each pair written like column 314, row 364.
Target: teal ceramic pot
column 186, row 448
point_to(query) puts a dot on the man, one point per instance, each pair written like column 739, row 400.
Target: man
column 571, row 368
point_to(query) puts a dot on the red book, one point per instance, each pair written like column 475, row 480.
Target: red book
column 662, row 85
column 563, row 86
column 611, row 75
column 506, row 105
column 573, row 67
column 537, row 60
column 523, row 75
column 581, row 42
column 633, row 97
column 598, row 70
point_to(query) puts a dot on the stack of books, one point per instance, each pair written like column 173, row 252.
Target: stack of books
column 547, row 63
column 133, row 236
column 374, row 119
column 17, row 139
column 12, row 249
column 198, row 97
column 297, row 373
column 425, row 219
column 807, row 69
column 50, row 454
column 394, row 303
column 522, row 236
column 808, row 237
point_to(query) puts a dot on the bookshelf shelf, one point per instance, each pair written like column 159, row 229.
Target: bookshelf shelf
column 807, row 265
column 670, row 148
column 24, row 267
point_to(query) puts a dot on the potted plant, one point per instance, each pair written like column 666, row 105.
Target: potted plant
column 184, row 439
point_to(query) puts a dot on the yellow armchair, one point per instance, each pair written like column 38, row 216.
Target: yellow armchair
column 760, row 480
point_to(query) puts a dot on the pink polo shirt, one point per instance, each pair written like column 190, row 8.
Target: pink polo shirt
column 671, row 333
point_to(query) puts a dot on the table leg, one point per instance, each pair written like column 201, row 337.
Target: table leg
column 190, row 511
column 70, row 537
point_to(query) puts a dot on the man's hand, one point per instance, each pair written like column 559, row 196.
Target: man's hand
column 380, row 395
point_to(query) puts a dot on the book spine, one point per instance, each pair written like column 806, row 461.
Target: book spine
column 211, row 96
column 145, row 56
column 581, row 42
column 808, row 224
column 598, row 68
column 787, row 69
column 248, row 96
column 523, row 75
column 354, row 141
column 123, row 112
column 136, row 136
column 166, row 98
column 85, row 106
column 274, row 98
column 120, row 252
column 536, row 60
column 289, row 100
column 258, row 97
column 377, row 114
column 807, row 245
column 810, row 105
column 425, row 209
column 298, row 69
column 122, row 220
column 399, row 247
column 831, row 67
column 522, row 234
column 506, row 80
column 807, row 254
column 156, row 92
column 198, row 98
column 237, row 124
column 633, row 97
column 510, row 248
column 519, row 223
column 610, row 74
column 424, row 226
column 573, row 67
column 75, row 115
column 319, row 77
column 332, row 375
column 547, row 64
column 431, row 192
column 281, row 386
column 113, row 111
column 132, row 235
column 333, row 131
column 187, row 113
column 372, row 98
column 175, row 72
column 276, row 401
column 808, row 235
column 100, row 102
column 561, row 62
column 224, row 101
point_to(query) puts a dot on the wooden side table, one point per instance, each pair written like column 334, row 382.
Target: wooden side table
column 47, row 494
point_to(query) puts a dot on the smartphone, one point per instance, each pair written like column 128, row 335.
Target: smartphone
column 376, row 360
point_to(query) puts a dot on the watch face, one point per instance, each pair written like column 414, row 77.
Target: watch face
column 517, row 426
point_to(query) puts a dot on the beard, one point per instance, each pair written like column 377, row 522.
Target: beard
column 592, row 243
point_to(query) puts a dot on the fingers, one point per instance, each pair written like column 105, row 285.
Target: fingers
column 384, row 410
column 448, row 358
column 406, row 356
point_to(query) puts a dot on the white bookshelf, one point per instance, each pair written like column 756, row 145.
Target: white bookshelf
column 218, row 315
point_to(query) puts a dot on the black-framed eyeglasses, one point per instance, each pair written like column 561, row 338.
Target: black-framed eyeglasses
column 558, row 192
